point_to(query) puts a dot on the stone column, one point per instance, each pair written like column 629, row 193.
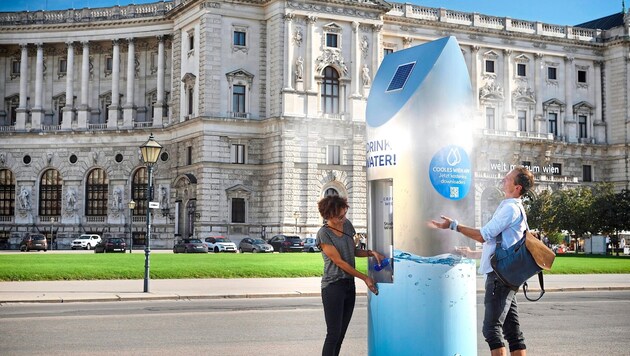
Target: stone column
column 22, row 111
column 474, row 74
column 507, row 82
column 68, row 110
column 539, row 117
column 570, row 124
column 356, row 59
column 599, row 127
column 37, row 114
column 288, row 52
column 158, row 109
column 129, row 110
column 310, row 68
column 84, row 109
column 113, row 112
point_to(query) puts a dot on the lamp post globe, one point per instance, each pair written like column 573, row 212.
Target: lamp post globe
column 150, row 153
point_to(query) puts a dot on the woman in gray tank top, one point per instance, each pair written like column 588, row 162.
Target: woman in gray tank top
column 336, row 241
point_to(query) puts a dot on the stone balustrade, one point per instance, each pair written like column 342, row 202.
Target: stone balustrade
column 494, row 22
column 85, row 15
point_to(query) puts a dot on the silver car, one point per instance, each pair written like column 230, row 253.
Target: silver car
column 309, row 244
column 254, row 245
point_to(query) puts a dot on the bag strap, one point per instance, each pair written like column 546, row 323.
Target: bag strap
column 542, row 288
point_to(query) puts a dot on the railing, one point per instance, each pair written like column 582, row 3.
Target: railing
column 46, row 219
column 51, row 127
column 95, row 219
column 139, row 219
column 517, row 134
column 142, row 123
column 97, row 126
column 494, row 22
column 86, row 15
column 7, row 128
column 6, row 219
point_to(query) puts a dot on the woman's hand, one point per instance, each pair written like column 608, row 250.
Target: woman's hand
column 444, row 224
column 379, row 257
column 369, row 282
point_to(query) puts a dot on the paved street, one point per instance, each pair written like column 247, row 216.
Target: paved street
column 563, row 323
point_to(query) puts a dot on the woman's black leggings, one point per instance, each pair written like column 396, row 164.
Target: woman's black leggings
column 338, row 299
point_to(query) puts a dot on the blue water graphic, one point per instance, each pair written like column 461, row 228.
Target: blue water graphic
column 429, row 309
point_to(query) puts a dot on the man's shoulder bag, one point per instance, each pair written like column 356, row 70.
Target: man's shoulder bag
column 515, row 265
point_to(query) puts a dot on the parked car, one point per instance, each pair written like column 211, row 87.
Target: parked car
column 86, row 242
column 190, row 246
column 34, row 242
column 309, row 245
column 254, row 245
column 111, row 244
column 220, row 244
column 286, row 243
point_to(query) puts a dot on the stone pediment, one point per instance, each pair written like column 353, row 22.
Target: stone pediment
column 240, row 73
column 583, row 106
column 331, row 58
column 491, row 91
column 523, row 94
column 554, row 103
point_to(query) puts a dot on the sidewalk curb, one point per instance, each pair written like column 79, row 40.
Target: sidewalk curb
column 162, row 297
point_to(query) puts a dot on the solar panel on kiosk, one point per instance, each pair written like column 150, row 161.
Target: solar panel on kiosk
column 400, row 77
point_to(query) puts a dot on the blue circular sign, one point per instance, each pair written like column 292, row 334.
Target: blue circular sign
column 451, row 172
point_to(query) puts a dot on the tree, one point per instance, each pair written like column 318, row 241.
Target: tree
column 540, row 214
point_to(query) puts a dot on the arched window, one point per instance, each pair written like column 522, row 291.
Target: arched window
column 139, row 187
column 331, row 191
column 330, row 91
column 50, row 193
column 96, row 188
column 7, row 193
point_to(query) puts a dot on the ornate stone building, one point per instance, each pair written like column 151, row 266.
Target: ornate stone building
column 260, row 107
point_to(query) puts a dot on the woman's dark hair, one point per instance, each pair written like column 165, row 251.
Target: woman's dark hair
column 524, row 178
column 331, row 206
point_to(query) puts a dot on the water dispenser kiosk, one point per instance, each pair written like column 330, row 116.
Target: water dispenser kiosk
column 419, row 130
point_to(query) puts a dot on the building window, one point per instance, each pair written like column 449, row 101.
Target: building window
column 490, row 118
column 96, row 188
column 188, row 155
column 581, row 76
column 191, row 92
column 587, row 173
column 552, row 73
column 527, row 164
column 556, row 169
column 553, row 123
column 334, row 155
column 238, row 210
column 489, row 66
column 15, row 67
column 582, row 126
column 63, row 65
column 191, row 41
column 521, row 70
column 331, row 192
column 238, row 154
column 239, row 38
column 139, row 186
column 7, row 193
column 331, row 40
column 109, row 64
column 238, row 99
column 387, row 51
column 522, row 120
column 50, row 193
column 330, row 91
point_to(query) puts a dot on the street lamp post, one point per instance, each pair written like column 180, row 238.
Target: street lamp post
column 131, row 205
column 296, row 215
column 150, row 152
column 52, row 222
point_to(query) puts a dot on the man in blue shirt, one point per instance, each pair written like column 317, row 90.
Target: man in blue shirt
column 501, row 312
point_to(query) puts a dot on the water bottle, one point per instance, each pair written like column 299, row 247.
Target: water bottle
column 384, row 263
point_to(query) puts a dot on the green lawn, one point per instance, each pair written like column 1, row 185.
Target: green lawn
column 39, row 266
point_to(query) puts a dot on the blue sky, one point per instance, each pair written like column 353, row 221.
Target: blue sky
column 558, row 12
